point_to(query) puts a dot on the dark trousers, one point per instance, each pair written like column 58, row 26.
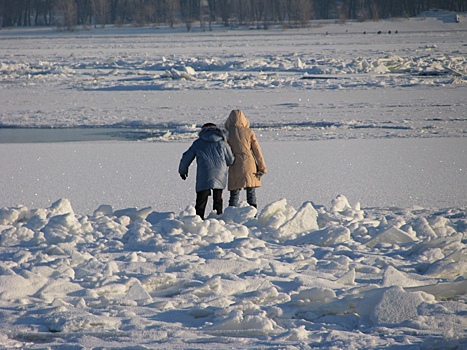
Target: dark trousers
column 202, row 201
column 250, row 197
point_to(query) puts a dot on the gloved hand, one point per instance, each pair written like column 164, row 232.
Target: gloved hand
column 259, row 174
column 183, row 176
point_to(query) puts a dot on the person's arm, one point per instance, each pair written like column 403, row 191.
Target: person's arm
column 256, row 149
column 229, row 156
column 187, row 159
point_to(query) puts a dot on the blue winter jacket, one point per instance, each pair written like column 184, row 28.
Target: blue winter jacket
column 213, row 158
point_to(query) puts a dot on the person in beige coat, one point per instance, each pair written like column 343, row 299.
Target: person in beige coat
column 249, row 166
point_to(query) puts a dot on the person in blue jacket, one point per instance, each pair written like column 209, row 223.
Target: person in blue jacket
column 213, row 158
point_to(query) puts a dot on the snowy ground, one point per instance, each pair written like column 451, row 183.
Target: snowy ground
column 360, row 237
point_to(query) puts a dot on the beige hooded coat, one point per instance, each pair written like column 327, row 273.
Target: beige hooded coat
column 248, row 156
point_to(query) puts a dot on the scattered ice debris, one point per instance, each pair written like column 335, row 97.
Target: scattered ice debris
column 279, row 277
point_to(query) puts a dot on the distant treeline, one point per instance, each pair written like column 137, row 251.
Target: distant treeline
column 68, row 14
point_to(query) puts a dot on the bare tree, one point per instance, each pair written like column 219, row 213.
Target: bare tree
column 138, row 14
column 100, row 10
column 190, row 11
column 143, row 12
column 224, row 10
column 42, row 12
column 242, row 11
column 322, row 8
column 66, row 15
column 299, row 11
column 212, row 11
column 70, row 13
column 172, row 7
column 11, row 12
column 204, row 14
column 113, row 6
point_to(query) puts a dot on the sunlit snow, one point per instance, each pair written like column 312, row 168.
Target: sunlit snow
column 359, row 240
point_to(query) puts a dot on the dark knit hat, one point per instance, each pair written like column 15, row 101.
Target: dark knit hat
column 207, row 125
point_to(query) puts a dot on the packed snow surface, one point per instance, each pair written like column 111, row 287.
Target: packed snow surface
column 359, row 240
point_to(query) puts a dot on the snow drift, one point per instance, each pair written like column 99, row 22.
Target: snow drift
column 282, row 277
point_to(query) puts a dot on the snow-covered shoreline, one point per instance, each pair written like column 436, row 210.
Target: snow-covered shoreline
column 395, row 172
column 360, row 237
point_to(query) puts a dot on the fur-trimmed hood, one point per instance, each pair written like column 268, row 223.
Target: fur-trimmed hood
column 211, row 133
